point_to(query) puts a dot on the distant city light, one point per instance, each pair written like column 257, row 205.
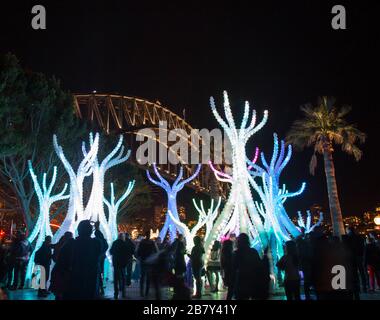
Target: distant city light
column 377, row 220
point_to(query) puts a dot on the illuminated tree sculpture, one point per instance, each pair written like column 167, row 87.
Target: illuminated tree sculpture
column 278, row 226
column 113, row 208
column 95, row 209
column 239, row 214
column 210, row 214
column 205, row 218
column 171, row 191
column 308, row 227
column 75, row 209
column 45, row 200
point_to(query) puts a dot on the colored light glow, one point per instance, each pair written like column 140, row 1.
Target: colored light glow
column 376, row 220
column 278, row 226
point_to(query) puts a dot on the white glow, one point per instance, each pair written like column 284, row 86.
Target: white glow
column 45, row 200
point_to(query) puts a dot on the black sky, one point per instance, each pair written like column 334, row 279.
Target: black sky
column 278, row 55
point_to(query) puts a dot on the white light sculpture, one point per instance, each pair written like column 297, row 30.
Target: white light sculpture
column 239, row 214
column 113, row 208
column 45, row 200
column 308, row 227
column 75, row 209
column 210, row 215
column 95, row 209
column 205, row 218
column 171, row 191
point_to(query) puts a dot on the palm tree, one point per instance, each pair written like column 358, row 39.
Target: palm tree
column 323, row 127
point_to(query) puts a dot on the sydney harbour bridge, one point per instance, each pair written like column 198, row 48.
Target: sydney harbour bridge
column 118, row 114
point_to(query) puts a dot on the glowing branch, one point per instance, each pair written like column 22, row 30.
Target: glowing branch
column 308, row 227
column 113, row 208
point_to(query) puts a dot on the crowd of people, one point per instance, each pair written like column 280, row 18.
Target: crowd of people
column 75, row 266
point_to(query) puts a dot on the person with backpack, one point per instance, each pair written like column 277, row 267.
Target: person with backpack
column 20, row 252
column 213, row 266
column 43, row 258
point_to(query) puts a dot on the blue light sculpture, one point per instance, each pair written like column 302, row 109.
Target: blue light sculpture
column 171, row 191
column 278, row 226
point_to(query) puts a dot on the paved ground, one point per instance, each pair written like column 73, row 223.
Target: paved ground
column 133, row 294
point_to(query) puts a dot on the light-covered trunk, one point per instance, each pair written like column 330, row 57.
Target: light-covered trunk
column 332, row 189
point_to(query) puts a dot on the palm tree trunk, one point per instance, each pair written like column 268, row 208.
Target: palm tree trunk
column 332, row 189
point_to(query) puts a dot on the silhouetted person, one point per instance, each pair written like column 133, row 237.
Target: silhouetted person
column 121, row 255
column 146, row 248
column 81, row 257
column 213, row 266
column 372, row 262
column 290, row 264
column 226, row 265
column 261, row 289
column 305, row 253
column 179, row 250
column 58, row 246
column 159, row 269
column 161, row 245
column 246, row 263
column 196, row 258
column 59, row 275
column 104, row 247
column 20, row 252
column 356, row 244
column 129, row 257
column 43, row 258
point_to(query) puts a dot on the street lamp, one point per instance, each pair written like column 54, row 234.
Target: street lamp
column 376, row 220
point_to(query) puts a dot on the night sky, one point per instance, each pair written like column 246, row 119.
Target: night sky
column 276, row 55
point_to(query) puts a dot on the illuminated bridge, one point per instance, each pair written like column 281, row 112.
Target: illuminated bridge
column 116, row 114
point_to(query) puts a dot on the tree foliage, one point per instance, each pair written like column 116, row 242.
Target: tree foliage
column 324, row 126
column 33, row 107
